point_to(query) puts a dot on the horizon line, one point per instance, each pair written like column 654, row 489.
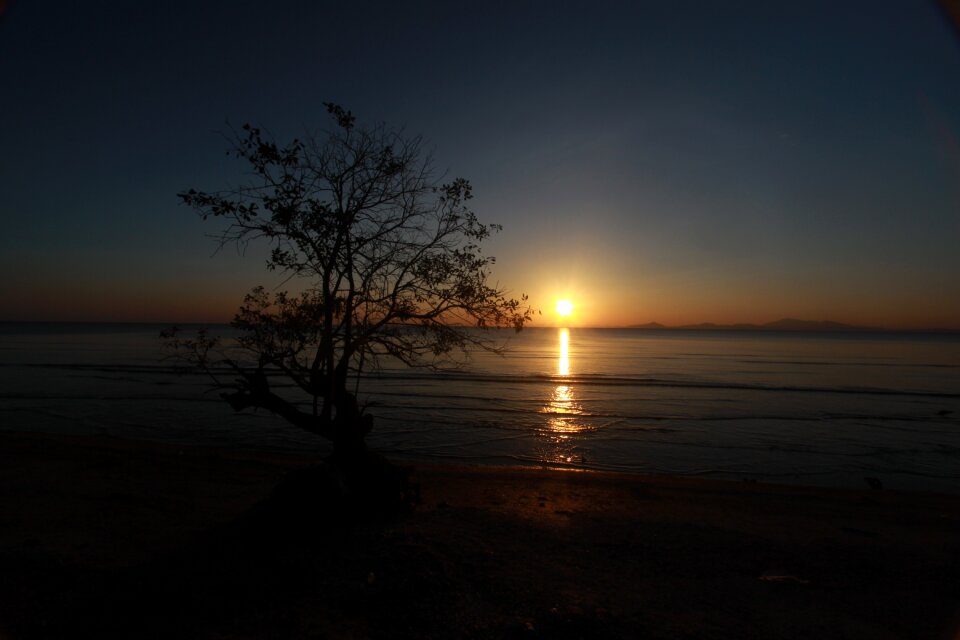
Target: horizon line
column 776, row 326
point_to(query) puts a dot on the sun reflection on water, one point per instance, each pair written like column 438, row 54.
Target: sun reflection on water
column 563, row 364
column 562, row 412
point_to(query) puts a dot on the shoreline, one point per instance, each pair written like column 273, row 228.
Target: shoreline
column 508, row 551
column 289, row 457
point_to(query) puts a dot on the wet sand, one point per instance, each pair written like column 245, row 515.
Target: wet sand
column 112, row 538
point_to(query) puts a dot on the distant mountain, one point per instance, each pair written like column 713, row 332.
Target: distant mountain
column 792, row 324
column 786, row 324
column 710, row 326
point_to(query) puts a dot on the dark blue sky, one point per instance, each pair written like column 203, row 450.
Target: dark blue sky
column 679, row 162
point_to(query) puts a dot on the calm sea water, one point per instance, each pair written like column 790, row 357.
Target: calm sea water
column 824, row 409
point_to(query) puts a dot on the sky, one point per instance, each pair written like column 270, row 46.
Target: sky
column 677, row 162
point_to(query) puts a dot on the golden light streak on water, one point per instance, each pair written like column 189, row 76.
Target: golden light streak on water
column 563, row 364
column 563, row 411
column 565, row 408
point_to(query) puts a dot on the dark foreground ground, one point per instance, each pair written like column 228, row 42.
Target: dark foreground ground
column 107, row 538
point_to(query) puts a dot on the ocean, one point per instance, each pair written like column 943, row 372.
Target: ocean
column 798, row 408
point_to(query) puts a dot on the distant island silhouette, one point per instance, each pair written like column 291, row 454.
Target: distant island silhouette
column 784, row 324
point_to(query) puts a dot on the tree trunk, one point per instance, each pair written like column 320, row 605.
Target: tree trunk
column 353, row 480
column 350, row 427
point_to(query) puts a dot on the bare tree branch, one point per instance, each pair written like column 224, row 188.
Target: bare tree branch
column 387, row 257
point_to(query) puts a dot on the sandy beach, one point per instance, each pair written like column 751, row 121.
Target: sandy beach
column 102, row 537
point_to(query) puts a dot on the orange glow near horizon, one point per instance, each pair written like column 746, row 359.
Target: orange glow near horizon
column 608, row 290
column 596, row 301
column 617, row 308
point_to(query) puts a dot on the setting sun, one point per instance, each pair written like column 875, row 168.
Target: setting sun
column 564, row 308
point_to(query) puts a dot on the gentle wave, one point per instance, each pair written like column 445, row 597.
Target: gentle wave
column 596, row 380
column 808, row 409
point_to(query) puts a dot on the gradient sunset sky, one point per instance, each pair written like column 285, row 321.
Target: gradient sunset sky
column 672, row 161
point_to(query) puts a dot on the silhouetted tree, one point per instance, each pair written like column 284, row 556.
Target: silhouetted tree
column 385, row 262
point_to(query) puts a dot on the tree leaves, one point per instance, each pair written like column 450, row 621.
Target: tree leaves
column 388, row 261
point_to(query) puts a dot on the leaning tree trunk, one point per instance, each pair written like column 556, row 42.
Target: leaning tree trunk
column 370, row 484
column 350, row 427
column 354, row 481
